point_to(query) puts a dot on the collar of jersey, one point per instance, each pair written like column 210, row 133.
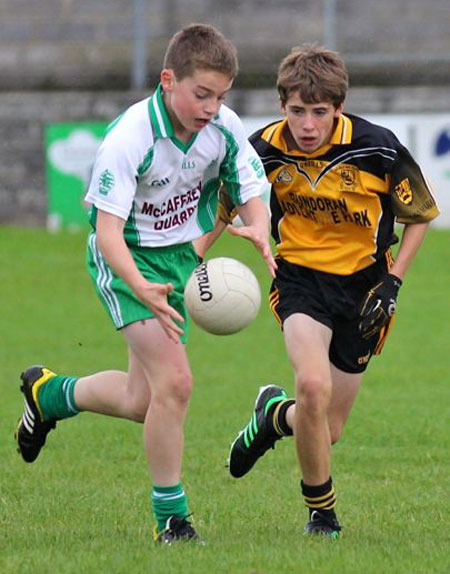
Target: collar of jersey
column 342, row 135
column 160, row 120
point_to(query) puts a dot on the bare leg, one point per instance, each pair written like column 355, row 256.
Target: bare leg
column 345, row 390
column 307, row 342
column 159, row 368
column 115, row 393
column 167, row 369
column 343, row 395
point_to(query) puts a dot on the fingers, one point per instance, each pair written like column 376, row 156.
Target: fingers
column 164, row 288
column 163, row 306
column 239, row 231
column 373, row 322
column 271, row 264
column 170, row 312
column 259, row 242
column 155, row 297
column 172, row 330
column 167, row 315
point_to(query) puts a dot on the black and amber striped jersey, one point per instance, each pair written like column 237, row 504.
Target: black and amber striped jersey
column 334, row 210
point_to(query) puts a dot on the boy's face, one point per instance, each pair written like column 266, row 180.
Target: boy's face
column 311, row 125
column 195, row 100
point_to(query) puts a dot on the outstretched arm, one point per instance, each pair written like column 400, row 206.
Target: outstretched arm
column 255, row 215
column 203, row 243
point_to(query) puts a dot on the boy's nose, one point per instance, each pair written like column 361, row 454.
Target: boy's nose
column 308, row 123
column 212, row 108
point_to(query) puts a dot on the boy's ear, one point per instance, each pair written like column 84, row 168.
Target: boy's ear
column 338, row 111
column 167, row 79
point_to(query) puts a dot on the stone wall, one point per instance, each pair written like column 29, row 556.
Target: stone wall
column 70, row 60
column 88, row 44
column 24, row 115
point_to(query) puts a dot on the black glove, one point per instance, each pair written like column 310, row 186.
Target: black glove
column 379, row 305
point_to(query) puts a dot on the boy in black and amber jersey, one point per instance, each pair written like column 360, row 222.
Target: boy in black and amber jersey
column 339, row 183
column 333, row 209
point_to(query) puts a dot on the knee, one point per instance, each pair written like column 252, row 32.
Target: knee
column 313, row 393
column 181, row 387
column 176, row 390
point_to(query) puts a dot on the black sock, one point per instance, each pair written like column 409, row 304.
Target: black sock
column 279, row 418
column 321, row 497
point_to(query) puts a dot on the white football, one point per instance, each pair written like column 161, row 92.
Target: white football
column 222, row 296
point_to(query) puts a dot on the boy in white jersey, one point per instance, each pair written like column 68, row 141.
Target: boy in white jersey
column 154, row 191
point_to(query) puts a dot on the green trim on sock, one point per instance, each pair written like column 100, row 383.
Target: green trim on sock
column 56, row 398
column 168, row 501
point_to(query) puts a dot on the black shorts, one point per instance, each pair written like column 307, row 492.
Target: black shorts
column 333, row 300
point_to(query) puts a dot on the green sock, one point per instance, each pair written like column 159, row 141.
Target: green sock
column 168, row 501
column 56, row 398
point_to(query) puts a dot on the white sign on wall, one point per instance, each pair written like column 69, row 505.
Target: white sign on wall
column 433, row 154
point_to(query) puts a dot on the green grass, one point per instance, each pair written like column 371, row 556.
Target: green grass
column 83, row 506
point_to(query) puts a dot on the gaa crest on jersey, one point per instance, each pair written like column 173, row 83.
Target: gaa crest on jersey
column 284, row 176
column 106, row 182
column 404, row 192
column 348, row 178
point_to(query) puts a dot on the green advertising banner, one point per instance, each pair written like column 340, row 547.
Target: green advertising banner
column 70, row 150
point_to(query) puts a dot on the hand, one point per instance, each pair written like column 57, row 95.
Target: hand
column 379, row 305
column 259, row 240
column 154, row 295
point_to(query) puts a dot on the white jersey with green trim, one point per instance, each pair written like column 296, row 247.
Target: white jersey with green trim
column 167, row 190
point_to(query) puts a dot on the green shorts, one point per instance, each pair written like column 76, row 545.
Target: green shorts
column 172, row 264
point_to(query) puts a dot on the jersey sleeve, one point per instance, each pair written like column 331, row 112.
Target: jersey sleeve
column 412, row 198
column 241, row 170
column 226, row 210
column 116, row 168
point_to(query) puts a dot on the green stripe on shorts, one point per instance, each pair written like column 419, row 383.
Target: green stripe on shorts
column 172, row 264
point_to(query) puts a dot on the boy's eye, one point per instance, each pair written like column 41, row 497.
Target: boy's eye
column 206, row 96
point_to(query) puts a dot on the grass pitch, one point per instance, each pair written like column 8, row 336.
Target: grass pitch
column 83, row 506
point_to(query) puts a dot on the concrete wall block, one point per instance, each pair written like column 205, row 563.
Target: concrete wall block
column 24, row 115
column 100, row 9
column 27, row 10
column 119, row 30
column 68, row 31
column 409, row 26
column 114, row 103
column 10, row 58
column 87, row 44
column 16, row 30
column 22, row 136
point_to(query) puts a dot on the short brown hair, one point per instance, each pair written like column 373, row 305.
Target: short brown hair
column 318, row 74
column 200, row 46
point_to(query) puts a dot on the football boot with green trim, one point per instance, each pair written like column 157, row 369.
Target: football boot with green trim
column 323, row 524
column 259, row 435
